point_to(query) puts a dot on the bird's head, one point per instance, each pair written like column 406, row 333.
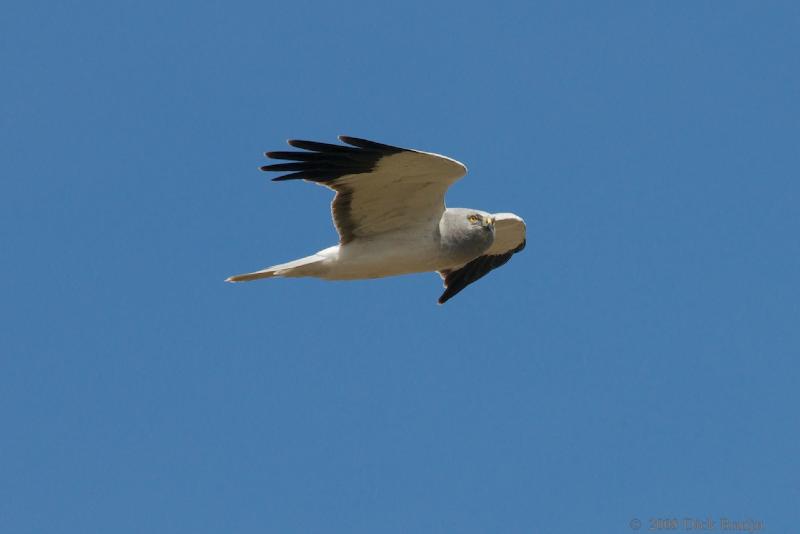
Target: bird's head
column 481, row 220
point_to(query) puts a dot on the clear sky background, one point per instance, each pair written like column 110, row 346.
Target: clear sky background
column 638, row 360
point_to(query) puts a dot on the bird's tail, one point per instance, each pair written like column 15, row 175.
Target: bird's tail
column 308, row 266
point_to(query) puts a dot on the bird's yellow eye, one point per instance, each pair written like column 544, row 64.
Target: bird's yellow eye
column 473, row 218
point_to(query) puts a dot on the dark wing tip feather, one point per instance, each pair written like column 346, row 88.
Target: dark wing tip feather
column 295, row 166
column 310, row 175
column 325, row 162
column 292, row 176
column 294, row 155
column 316, row 146
column 369, row 145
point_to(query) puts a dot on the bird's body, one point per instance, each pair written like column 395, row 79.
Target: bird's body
column 390, row 214
column 392, row 254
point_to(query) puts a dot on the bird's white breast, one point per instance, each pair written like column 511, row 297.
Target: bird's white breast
column 383, row 255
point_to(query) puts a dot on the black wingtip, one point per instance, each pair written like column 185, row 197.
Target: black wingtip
column 316, row 146
column 292, row 176
column 447, row 295
column 366, row 144
column 292, row 166
column 324, row 162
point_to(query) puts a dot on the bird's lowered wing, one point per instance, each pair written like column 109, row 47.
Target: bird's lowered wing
column 379, row 188
column 509, row 238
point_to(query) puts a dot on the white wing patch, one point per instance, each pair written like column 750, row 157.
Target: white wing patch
column 405, row 192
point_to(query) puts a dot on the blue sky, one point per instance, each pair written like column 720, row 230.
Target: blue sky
column 638, row 360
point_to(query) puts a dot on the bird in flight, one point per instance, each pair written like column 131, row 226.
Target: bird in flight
column 391, row 218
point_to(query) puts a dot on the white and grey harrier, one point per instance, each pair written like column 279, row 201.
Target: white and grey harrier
column 390, row 214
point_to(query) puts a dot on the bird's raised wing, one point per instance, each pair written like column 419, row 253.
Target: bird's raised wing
column 379, row 188
column 509, row 238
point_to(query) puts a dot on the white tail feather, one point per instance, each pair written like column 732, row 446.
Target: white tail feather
column 308, row 266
